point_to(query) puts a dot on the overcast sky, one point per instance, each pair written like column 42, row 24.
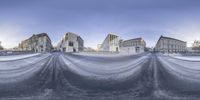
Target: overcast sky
column 94, row 19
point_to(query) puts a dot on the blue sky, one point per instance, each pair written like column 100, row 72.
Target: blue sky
column 94, row 19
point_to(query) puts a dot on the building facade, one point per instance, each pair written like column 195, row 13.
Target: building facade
column 71, row 43
column 132, row 46
column 110, row 44
column 170, row 45
column 37, row 43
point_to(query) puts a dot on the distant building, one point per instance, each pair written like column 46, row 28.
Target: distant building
column 132, row 46
column 71, row 43
column 196, row 46
column 110, row 44
column 1, row 47
column 88, row 49
column 170, row 45
column 98, row 47
column 37, row 43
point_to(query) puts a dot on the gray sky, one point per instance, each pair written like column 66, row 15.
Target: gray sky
column 94, row 19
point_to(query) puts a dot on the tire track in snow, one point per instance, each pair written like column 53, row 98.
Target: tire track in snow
column 105, row 70
column 171, row 86
column 136, row 85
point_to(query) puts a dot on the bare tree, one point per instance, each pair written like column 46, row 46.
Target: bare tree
column 196, row 46
column 1, row 48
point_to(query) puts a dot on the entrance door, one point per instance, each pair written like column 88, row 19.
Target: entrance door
column 117, row 49
column 74, row 50
column 64, row 50
column 137, row 49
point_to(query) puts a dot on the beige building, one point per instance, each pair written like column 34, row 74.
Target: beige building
column 71, row 43
column 110, row 44
column 132, row 46
column 170, row 45
column 36, row 43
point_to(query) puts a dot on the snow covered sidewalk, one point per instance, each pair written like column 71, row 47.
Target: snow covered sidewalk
column 186, row 58
column 182, row 69
column 17, row 57
column 106, row 54
column 189, row 58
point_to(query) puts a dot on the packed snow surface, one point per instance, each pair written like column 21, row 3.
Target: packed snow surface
column 104, row 67
column 61, row 76
column 189, row 58
column 16, row 70
column 181, row 57
column 182, row 68
column 102, row 54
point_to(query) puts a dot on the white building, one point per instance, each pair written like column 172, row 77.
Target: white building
column 71, row 43
column 36, row 43
column 170, row 45
column 110, row 44
column 132, row 46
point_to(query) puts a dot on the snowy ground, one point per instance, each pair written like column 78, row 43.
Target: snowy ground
column 16, row 57
column 61, row 76
column 188, row 58
column 96, row 67
column 16, row 70
column 103, row 54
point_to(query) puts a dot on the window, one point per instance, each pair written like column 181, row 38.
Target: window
column 71, row 43
column 41, row 46
column 66, row 38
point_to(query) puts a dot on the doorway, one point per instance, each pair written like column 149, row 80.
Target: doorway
column 117, row 49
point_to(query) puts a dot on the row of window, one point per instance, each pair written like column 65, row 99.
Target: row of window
column 131, row 43
column 113, row 40
column 172, row 42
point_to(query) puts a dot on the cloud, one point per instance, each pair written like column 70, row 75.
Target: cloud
column 187, row 31
column 93, row 19
column 11, row 35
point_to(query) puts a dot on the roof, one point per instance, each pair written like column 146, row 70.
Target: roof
column 170, row 38
column 134, row 39
column 71, row 33
column 41, row 35
column 112, row 34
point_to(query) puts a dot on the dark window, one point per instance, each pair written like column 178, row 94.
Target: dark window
column 71, row 43
column 74, row 50
column 66, row 38
column 64, row 49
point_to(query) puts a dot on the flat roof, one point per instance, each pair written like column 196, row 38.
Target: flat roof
column 169, row 38
column 134, row 39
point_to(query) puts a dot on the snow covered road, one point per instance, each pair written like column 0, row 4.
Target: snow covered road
column 81, row 77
